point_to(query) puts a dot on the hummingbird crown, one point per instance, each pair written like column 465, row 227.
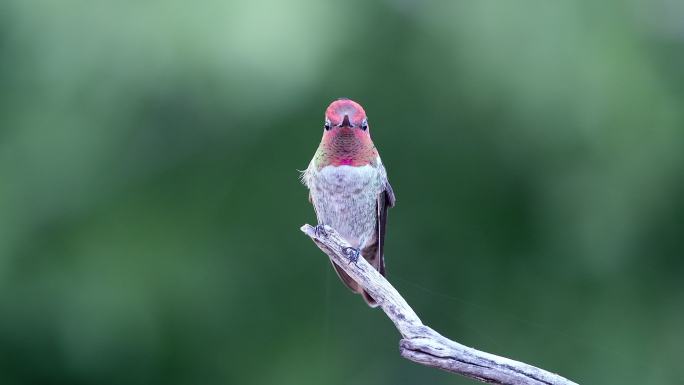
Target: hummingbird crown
column 343, row 108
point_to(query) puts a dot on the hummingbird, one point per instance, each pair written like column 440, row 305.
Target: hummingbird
column 348, row 187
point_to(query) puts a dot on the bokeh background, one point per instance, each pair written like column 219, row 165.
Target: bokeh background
column 150, row 204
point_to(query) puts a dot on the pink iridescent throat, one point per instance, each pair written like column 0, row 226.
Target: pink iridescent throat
column 346, row 147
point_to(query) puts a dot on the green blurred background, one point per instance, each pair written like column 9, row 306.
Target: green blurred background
column 150, row 203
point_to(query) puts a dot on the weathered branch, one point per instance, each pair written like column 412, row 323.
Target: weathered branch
column 420, row 343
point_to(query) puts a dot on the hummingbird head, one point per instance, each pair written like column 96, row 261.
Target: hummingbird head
column 346, row 137
column 345, row 114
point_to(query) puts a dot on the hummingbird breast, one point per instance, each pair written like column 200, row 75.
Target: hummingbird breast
column 345, row 198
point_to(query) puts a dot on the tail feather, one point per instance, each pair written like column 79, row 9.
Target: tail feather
column 346, row 279
column 371, row 255
column 353, row 286
column 369, row 300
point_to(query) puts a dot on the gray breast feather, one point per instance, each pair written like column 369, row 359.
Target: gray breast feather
column 345, row 198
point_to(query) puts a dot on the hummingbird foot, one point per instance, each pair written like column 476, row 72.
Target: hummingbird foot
column 352, row 254
column 320, row 230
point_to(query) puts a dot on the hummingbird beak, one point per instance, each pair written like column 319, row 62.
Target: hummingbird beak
column 345, row 122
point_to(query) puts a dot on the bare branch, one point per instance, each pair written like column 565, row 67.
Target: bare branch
column 420, row 343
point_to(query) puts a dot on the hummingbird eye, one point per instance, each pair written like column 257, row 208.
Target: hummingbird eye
column 364, row 124
column 327, row 124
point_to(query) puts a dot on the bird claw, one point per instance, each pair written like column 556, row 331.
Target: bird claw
column 320, row 230
column 352, row 254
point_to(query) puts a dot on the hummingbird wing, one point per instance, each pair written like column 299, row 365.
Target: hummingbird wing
column 374, row 250
column 386, row 200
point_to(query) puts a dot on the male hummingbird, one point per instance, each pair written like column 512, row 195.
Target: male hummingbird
column 348, row 187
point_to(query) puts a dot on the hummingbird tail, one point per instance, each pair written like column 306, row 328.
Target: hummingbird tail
column 353, row 286
column 369, row 300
